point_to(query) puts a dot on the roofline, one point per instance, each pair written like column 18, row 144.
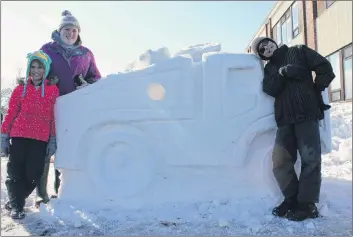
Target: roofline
column 277, row 5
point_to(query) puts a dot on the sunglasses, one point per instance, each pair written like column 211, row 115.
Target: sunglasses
column 262, row 48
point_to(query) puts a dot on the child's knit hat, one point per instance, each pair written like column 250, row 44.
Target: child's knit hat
column 68, row 20
column 44, row 59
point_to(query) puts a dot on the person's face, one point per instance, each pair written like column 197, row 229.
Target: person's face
column 36, row 72
column 69, row 35
column 267, row 48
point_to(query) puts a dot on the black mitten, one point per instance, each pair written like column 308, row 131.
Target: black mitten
column 294, row 71
column 78, row 80
column 322, row 106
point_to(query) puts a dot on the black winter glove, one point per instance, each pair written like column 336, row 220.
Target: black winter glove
column 296, row 72
column 80, row 82
column 322, row 105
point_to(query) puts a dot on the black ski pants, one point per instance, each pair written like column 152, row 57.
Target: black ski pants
column 305, row 138
column 24, row 169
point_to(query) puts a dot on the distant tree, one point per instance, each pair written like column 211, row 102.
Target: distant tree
column 5, row 97
column 6, row 93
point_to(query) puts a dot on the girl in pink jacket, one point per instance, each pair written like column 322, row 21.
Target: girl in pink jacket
column 30, row 125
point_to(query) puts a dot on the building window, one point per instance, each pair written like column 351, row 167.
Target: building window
column 284, row 33
column 287, row 28
column 295, row 19
column 329, row 3
column 335, row 85
column 278, row 34
column 347, row 72
column 335, row 96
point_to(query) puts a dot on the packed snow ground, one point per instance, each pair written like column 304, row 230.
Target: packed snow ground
column 251, row 216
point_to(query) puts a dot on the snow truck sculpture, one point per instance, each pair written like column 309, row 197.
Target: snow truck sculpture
column 177, row 131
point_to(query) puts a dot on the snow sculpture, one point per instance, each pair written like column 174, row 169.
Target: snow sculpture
column 196, row 51
column 176, row 131
column 148, row 58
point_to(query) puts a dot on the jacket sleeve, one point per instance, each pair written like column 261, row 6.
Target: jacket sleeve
column 321, row 66
column 52, row 116
column 273, row 83
column 93, row 73
column 13, row 110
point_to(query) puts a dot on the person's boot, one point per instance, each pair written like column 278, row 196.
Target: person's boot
column 282, row 209
column 57, row 182
column 54, row 196
column 304, row 210
column 7, row 206
column 17, row 213
column 41, row 190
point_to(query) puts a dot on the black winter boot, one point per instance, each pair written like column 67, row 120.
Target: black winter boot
column 17, row 213
column 303, row 211
column 7, row 206
column 282, row 209
column 41, row 190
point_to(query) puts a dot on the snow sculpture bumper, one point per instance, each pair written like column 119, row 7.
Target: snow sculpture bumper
column 173, row 132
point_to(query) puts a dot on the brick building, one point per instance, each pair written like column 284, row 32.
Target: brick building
column 325, row 26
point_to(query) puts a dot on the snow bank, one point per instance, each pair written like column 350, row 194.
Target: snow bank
column 339, row 162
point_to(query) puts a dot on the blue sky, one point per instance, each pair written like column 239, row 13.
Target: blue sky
column 118, row 32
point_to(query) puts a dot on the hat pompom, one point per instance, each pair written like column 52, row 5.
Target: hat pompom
column 66, row 13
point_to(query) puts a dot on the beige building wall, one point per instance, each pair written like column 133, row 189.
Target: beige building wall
column 279, row 10
column 299, row 39
column 334, row 27
column 262, row 32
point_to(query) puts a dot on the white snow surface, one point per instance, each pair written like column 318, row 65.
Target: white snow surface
column 151, row 57
column 196, row 51
column 246, row 216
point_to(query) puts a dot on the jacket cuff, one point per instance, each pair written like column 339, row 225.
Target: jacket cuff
column 5, row 136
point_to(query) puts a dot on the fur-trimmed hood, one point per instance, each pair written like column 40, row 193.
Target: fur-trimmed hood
column 51, row 80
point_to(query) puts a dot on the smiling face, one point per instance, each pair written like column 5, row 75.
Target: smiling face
column 69, row 35
column 36, row 71
column 267, row 48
